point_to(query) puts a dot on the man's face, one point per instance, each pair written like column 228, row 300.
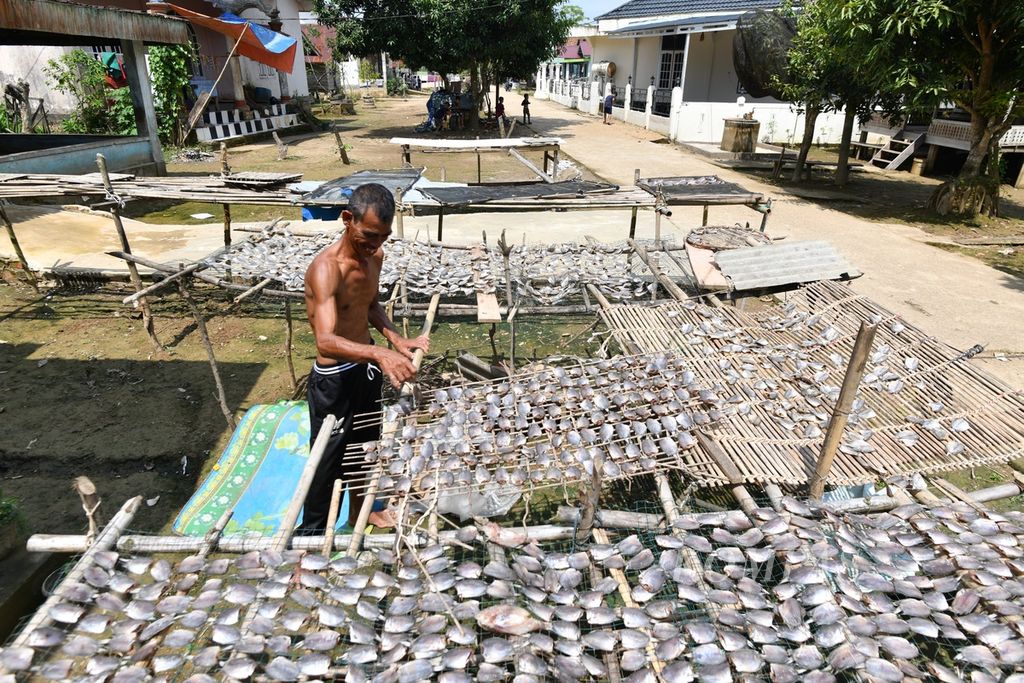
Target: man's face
column 368, row 233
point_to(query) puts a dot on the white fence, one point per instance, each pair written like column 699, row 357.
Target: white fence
column 695, row 121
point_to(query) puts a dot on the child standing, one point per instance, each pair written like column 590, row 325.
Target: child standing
column 526, row 109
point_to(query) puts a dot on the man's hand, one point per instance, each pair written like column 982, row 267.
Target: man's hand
column 396, row 367
column 408, row 346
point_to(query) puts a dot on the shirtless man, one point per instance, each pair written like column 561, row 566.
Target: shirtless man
column 341, row 303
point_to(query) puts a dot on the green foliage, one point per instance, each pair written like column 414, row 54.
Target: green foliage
column 169, row 72
column 9, row 512
column 367, row 71
column 99, row 109
column 81, row 76
column 397, row 87
column 453, row 36
column 122, row 112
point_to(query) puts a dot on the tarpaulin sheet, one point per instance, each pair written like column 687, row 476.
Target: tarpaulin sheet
column 481, row 194
column 259, row 43
column 336, row 192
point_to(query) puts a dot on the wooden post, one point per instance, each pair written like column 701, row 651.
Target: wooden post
column 399, row 218
column 201, row 328
column 632, row 223
column 554, row 165
column 288, row 342
column 854, row 372
column 291, row 513
column 726, row 464
column 342, row 152
column 704, row 220
column 332, row 517
column 106, row 540
column 225, row 169
column 17, row 248
column 479, row 176
column 440, row 222
column 133, row 270
column 657, row 228
column 90, row 503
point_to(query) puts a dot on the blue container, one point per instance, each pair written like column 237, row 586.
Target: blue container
column 323, row 213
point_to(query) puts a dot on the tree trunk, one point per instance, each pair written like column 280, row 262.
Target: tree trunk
column 473, row 115
column 843, row 166
column 973, row 192
column 805, row 145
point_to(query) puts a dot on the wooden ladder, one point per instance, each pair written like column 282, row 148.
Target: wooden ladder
column 897, row 150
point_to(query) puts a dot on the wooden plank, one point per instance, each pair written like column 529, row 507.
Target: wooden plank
column 530, row 165
column 487, row 308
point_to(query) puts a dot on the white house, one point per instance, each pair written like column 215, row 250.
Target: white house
column 670, row 68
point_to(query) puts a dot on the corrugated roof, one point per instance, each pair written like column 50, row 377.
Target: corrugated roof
column 783, row 264
column 57, row 22
column 728, row 19
column 653, row 8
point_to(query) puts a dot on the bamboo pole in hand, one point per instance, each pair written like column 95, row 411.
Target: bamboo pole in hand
column 854, row 373
column 407, row 391
column 133, row 270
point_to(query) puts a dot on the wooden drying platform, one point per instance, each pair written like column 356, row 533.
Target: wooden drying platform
column 923, row 378
column 211, row 189
column 509, row 146
column 690, row 191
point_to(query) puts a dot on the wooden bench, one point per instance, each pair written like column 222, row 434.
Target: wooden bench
column 864, row 150
column 809, row 166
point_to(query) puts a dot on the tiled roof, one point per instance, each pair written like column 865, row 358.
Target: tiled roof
column 651, row 8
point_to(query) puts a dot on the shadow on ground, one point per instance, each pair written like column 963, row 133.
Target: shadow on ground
column 134, row 427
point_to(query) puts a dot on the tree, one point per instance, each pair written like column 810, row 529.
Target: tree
column 825, row 72
column 963, row 51
column 476, row 37
column 169, row 73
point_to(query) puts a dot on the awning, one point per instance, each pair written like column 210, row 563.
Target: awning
column 662, row 27
column 259, row 43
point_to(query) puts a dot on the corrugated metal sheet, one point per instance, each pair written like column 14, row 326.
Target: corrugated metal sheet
column 783, row 264
column 27, row 22
column 654, row 8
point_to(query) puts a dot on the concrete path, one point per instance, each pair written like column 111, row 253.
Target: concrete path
column 958, row 299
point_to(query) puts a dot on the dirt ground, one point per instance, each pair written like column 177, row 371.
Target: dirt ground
column 83, row 392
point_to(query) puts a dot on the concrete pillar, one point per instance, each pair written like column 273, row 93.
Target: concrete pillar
column 142, row 99
column 595, row 97
column 237, row 80
column 649, row 109
column 675, row 113
column 282, row 82
column 628, row 101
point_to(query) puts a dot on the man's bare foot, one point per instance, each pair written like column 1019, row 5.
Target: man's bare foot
column 384, row 519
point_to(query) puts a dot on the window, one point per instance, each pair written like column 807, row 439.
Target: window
column 673, row 56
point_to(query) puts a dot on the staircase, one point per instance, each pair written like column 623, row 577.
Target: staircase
column 899, row 149
column 227, row 124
